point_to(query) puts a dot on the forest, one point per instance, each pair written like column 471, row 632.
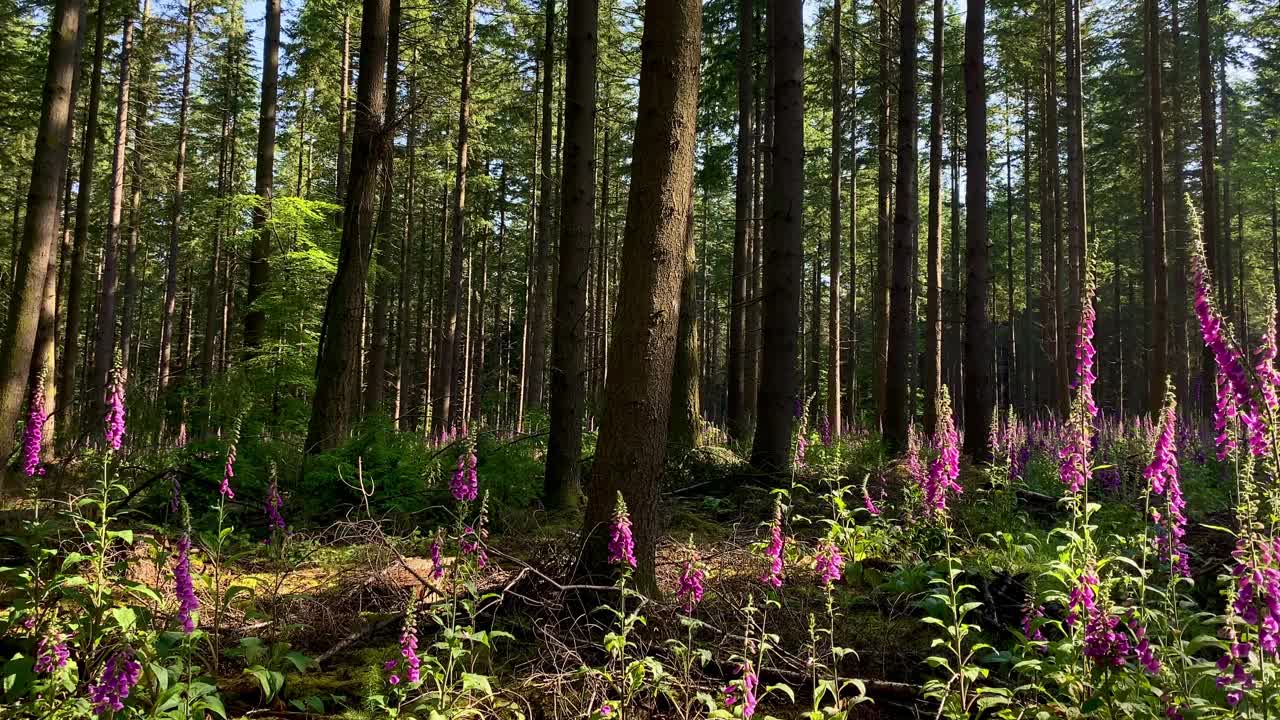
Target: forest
column 621, row 359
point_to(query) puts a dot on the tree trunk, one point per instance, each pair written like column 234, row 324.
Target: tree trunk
column 577, row 220
column 338, row 367
column 632, row 447
column 40, row 227
column 979, row 402
column 850, row 375
column 881, row 301
column 409, row 334
column 536, row 375
column 783, row 263
column 1077, row 213
column 906, row 218
column 376, row 377
column 71, row 350
column 255, row 320
column 445, row 411
column 833, row 303
column 105, row 346
column 1208, row 177
column 1158, row 365
column 933, row 297
column 127, row 318
column 344, row 90
column 735, row 362
column 175, row 220
column 684, row 430
column 1178, row 236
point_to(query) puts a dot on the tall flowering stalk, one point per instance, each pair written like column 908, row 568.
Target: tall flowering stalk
column 1224, row 417
column 622, row 545
column 119, row 676
column 33, row 433
column 183, row 587
column 1074, row 468
column 693, row 577
column 465, row 484
column 1216, row 333
column 1162, row 475
column 409, row 663
column 114, row 421
column 945, row 468
column 773, row 551
column 229, row 467
column 275, row 520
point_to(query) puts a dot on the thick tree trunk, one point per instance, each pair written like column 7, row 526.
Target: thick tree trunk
column 850, row 375
column 685, row 427
column 735, row 361
column 933, row 295
column 535, row 378
column 338, row 367
column 979, row 402
column 375, row 388
column 140, row 141
column 783, row 263
column 175, row 219
column 105, row 346
column 71, row 351
column 1077, row 212
column 577, row 220
column 1208, row 177
column 906, row 218
column 1178, row 236
column 880, row 300
column 255, row 320
column 344, row 90
column 40, row 227
column 409, row 333
column 632, row 448
column 833, row 303
column 446, row 409
column 1158, row 363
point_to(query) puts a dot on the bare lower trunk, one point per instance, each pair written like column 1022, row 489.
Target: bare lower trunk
column 255, row 320
column 979, row 401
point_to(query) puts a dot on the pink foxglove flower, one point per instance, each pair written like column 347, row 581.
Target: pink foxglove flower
column 773, row 551
column 692, row 581
column 115, row 409
column 408, row 648
column 829, row 562
column 1162, row 474
column 622, row 545
column 945, row 468
column 33, row 433
column 52, row 653
column 275, row 520
column 465, row 485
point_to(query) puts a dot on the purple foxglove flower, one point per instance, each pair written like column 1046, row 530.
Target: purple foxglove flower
column 275, row 520
column 52, row 653
column 115, row 410
column 773, row 551
column 228, row 472
column 621, row 543
column 33, row 433
column 692, row 586
column 183, row 587
column 1162, row 474
column 945, row 468
column 119, row 676
column 465, row 485
column 829, row 562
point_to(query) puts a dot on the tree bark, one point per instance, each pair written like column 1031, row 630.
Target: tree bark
column 375, row 388
column 445, row 411
column 127, row 318
column 344, row 91
column 71, row 350
column 105, row 346
column 833, row 303
column 1077, row 212
column 735, row 362
column 577, row 221
column 881, row 301
column 1178, row 235
column 338, row 367
column 933, row 296
column 175, row 219
column 1158, row 365
column 40, row 226
column 906, row 218
column 255, row 320
column 632, row 447
column 1208, row 177
column 684, row 430
column 536, row 375
column 978, row 399
column 783, row 263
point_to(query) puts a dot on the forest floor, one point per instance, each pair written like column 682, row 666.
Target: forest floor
column 337, row 593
